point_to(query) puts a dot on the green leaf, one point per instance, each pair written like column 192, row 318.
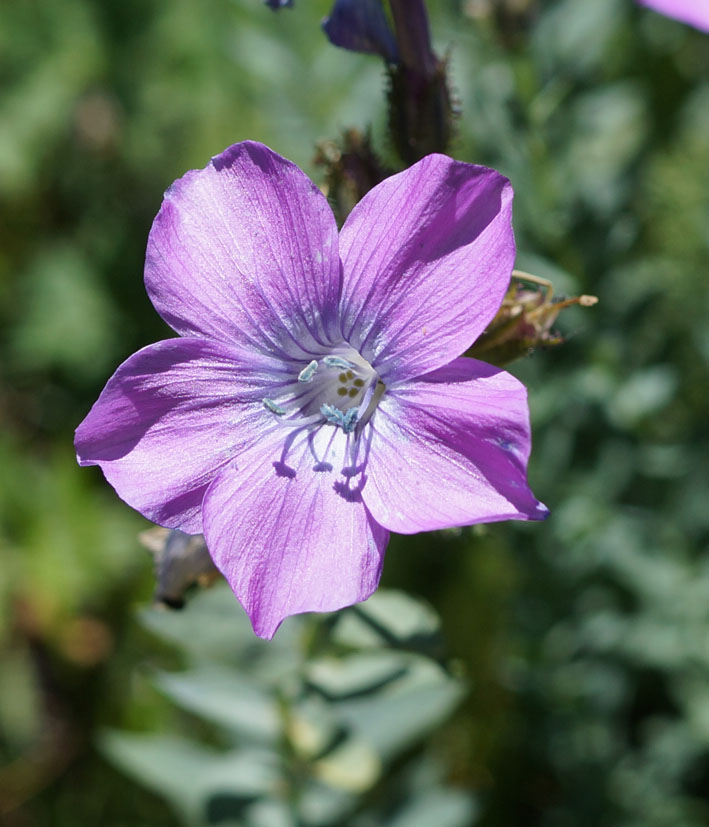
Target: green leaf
column 214, row 628
column 404, row 710
column 191, row 776
column 224, row 697
column 442, row 808
column 321, row 805
column 389, row 619
column 355, row 675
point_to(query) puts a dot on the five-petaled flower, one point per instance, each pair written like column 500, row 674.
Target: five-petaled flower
column 315, row 399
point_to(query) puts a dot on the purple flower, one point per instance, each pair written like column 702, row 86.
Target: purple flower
column 314, row 401
column 694, row 12
column 361, row 26
column 276, row 5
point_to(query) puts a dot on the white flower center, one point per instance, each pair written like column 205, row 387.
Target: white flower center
column 341, row 388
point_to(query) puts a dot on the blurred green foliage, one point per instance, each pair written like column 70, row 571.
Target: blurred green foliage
column 584, row 639
column 305, row 727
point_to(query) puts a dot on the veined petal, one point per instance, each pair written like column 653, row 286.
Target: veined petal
column 451, row 449
column 427, row 257
column 694, row 12
column 245, row 251
column 169, row 418
column 289, row 532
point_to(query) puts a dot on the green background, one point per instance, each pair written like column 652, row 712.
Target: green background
column 585, row 640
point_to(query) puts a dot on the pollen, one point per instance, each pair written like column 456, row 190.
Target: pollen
column 353, row 392
column 342, row 391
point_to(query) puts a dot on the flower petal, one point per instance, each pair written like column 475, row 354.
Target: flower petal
column 245, row 251
column 694, row 12
column 427, row 256
column 289, row 533
column 169, row 418
column 451, row 449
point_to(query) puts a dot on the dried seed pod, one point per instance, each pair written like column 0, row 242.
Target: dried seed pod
column 524, row 321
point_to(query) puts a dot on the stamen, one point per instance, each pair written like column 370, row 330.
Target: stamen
column 345, row 397
column 373, row 402
column 337, row 362
column 350, row 420
column 273, row 407
column 308, row 371
column 346, row 421
column 332, row 414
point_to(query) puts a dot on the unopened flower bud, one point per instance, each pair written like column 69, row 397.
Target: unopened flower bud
column 352, row 168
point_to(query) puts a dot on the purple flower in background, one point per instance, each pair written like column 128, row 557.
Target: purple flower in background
column 694, row 12
column 313, row 401
column 278, row 4
column 361, row 26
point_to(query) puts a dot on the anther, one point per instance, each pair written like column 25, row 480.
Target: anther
column 273, row 407
column 337, row 362
column 308, row 371
column 346, row 421
column 332, row 414
column 350, row 420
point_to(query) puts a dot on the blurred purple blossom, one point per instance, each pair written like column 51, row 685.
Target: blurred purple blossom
column 314, row 400
column 694, row 12
column 278, row 4
column 361, row 26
